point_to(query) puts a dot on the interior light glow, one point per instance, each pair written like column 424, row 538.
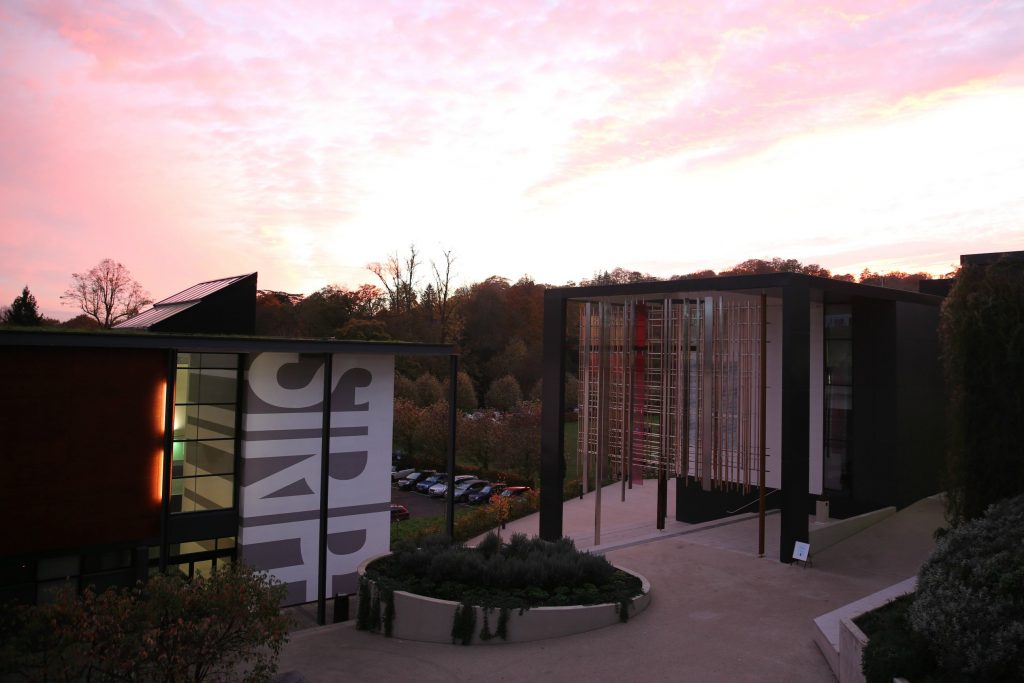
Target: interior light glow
column 157, row 492
column 157, row 471
column 161, row 407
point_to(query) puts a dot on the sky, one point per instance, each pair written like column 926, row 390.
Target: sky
column 546, row 138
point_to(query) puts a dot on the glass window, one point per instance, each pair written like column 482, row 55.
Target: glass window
column 205, row 414
column 219, row 360
column 838, row 396
column 57, row 567
column 838, row 321
column 217, row 386
column 839, row 362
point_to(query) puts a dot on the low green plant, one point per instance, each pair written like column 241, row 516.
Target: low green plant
column 969, row 604
column 469, row 522
column 521, row 574
column 894, row 648
column 376, row 611
column 463, row 623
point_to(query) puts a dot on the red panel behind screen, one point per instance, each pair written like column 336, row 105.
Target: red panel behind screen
column 81, row 437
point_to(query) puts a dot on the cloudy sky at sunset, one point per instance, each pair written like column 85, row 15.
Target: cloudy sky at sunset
column 197, row 139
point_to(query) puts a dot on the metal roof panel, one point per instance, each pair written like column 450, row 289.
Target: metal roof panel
column 148, row 318
column 201, row 290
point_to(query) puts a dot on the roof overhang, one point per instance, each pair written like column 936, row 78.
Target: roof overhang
column 829, row 290
column 195, row 343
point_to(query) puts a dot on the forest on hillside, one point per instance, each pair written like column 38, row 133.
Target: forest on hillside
column 495, row 327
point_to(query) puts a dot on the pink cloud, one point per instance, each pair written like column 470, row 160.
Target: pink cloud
column 216, row 124
column 772, row 73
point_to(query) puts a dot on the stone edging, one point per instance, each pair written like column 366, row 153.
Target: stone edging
column 841, row 642
column 418, row 617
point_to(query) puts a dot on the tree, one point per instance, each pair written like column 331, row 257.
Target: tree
column 398, row 275
column 81, row 322
column 444, row 304
column 894, row 279
column 756, row 266
column 225, row 627
column 428, row 390
column 696, row 275
column 23, row 310
column 366, row 330
column 465, row 399
column 325, row 310
column 982, row 335
column 107, row 293
column 276, row 313
column 618, row 276
column 504, row 394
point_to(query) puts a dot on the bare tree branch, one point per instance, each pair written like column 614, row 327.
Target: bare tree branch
column 107, row 293
column 442, row 290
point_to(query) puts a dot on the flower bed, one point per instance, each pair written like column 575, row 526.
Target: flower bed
column 525, row 590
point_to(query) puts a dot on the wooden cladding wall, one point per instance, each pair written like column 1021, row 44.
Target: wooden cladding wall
column 81, row 447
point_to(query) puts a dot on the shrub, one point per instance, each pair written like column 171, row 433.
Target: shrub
column 227, row 627
column 982, row 334
column 894, row 648
column 970, row 596
column 469, row 523
column 521, row 574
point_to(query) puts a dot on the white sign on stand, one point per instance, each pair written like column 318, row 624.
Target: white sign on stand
column 801, row 551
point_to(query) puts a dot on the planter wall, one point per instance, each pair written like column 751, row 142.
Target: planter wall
column 430, row 620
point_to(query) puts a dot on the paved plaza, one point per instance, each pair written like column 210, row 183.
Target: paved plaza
column 718, row 612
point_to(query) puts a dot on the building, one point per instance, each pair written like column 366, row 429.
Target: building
column 130, row 452
column 838, row 384
column 223, row 306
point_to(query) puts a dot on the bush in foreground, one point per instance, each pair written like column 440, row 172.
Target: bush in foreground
column 969, row 603
column 227, row 627
column 894, row 648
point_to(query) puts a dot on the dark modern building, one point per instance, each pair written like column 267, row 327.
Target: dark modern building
column 127, row 452
column 838, row 384
column 223, row 306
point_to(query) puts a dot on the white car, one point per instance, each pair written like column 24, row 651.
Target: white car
column 441, row 488
column 397, row 474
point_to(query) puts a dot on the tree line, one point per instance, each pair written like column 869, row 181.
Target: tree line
column 495, row 325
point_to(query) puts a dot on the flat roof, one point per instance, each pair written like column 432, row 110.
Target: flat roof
column 198, row 343
column 833, row 290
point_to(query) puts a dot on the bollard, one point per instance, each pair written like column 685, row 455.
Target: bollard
column 341, row 608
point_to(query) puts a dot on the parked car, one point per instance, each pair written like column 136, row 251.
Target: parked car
column 423, row 485
column 464, row 488
column 399, row 474
column 441, row 487
column 484, row 495
column 410, row 480
column 399, row 512
column 513, row 491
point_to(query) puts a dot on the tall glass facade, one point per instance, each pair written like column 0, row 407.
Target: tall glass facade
column 838, row 395
column 205, row 430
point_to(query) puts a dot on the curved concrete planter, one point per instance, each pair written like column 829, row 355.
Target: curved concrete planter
column 418, row 617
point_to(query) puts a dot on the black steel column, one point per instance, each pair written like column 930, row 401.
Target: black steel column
column 325, row 465
column 453, row 383
column 552, row 429
column 796, row 423
column 168, row 460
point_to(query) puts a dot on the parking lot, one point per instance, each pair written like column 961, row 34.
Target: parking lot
column 420, row 505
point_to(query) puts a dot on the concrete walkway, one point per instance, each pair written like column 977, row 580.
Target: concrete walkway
column 718, row 612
